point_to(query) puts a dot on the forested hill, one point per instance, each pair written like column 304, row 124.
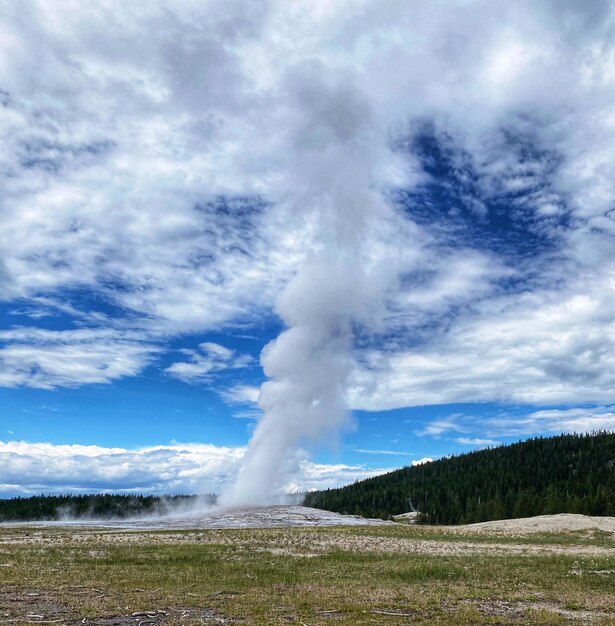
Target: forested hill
column 95, row 506
column 564, row 474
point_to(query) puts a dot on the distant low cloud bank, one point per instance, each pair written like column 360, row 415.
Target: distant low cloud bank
column 34, row 468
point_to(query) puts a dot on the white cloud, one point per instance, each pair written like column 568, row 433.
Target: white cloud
column 319, row 476
column 202, row 364
column 124, row 129
column 241, row 394
column 422, row 461
column 439, row 426
column 477, row 441
column 485, row 429
column 556, row 421
column 548, row 347
column 46, row 359
column 103, row 188
column 41, row 307
column 248, row 414
column 385, row 452
column 33, row 468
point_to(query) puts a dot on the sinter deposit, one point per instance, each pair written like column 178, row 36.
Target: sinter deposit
column 230, row 517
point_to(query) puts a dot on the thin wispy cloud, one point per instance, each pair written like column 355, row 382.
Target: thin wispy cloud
column 46, row 359
column 519, row 424
column 477, row 441
column 203, row 363
column 385, row 452
column 573, row 420
column 241, row 394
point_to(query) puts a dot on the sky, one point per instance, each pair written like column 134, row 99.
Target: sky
column 408, row 206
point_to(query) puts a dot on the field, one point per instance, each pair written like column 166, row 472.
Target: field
column 390, row 574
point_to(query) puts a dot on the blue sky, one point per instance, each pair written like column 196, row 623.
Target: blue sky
column 409, row 207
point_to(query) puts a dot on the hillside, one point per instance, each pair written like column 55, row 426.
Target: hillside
column 542, row 476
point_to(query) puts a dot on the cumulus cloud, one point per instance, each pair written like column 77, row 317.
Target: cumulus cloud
column 33, row 468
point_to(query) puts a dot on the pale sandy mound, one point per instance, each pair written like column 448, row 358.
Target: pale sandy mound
column 543, row 524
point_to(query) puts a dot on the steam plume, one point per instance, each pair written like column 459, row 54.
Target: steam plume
column 338, row 286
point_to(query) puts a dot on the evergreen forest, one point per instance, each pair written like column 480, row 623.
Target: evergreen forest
column 92, row 506
column 564, row 474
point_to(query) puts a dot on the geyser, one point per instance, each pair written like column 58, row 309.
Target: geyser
column 337, row 150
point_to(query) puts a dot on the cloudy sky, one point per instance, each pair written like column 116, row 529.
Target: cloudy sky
column 183, row 181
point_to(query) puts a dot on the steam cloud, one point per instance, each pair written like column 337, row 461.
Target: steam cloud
column 337, row 150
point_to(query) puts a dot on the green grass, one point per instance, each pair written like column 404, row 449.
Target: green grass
column 326, row 576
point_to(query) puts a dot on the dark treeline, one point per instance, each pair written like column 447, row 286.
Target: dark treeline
column 94, row 506
column 564, row 474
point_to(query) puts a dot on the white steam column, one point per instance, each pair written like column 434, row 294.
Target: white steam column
column 336, row 152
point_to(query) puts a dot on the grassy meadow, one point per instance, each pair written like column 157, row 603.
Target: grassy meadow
column 346, row 576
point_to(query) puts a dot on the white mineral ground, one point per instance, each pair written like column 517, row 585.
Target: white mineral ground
column 279, row 516
column 285, row 516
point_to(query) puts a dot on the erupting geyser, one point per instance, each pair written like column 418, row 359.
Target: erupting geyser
column 337, row 152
